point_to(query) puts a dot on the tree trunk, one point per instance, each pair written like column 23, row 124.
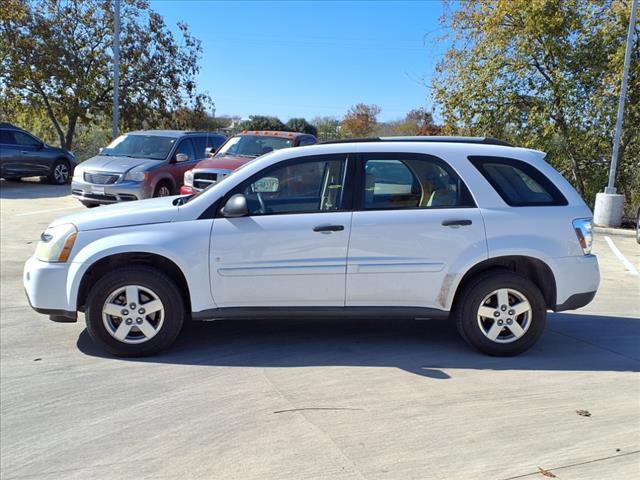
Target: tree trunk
column 71, row 130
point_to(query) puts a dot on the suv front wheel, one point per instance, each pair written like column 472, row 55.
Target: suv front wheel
column 500, row 313
column 134, row 311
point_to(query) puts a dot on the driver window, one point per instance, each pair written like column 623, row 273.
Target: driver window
column 308, row 186
column 186, row 147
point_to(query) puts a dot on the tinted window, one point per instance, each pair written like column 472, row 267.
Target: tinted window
column 24, row 139
column 518, row 183
column 140, row 146
column 6, row 137
column 215, row 141
column 304, row 187
column 411, row 181
column 200, row 144
column 307, row 141
column 186, row 147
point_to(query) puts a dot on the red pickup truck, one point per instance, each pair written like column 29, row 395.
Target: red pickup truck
column 237, row 151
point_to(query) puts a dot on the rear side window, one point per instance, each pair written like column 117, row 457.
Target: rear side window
column 518, row 183
column 400, row 181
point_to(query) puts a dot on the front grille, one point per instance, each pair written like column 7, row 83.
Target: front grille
column 204, row 179
column 101, row 178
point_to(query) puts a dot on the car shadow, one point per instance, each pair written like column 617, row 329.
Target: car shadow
column 32, row 188
column 428, row 348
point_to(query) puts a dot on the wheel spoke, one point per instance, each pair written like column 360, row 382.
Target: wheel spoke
column 152, row 306
column 146, row 328
column 503, row 297
column 122, row 331
column 522, row 307
column 132, row 295
column 516, row 329
column 485, row 311
column 113, row 310
column 494, row 331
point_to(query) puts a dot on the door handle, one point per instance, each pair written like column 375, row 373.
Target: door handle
column 456, row 223
column 328, row 228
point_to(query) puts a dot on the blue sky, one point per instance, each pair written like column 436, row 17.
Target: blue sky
column 303, row 59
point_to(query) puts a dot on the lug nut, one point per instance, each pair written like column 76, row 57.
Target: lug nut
column 509, row 321
column 503, row 308
column 125, row 312
column 138, row 320
column 496, row 314
column 141, row 311
column 132, row 306
column 500, row 322
column 512, row 312
column 128, row 321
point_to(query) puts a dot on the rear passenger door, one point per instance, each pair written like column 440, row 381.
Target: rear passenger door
column 414, row 223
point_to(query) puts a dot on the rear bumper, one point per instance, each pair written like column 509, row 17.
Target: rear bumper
column 577, row 280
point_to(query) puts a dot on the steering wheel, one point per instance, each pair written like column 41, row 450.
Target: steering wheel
column 263, row 207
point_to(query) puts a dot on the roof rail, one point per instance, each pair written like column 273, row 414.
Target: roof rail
column 433, row 139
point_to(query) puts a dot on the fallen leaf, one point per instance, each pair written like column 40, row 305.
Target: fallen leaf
column 584, row 413
column 547, row 473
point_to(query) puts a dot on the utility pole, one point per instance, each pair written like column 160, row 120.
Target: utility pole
column 609, row 205
column 116, row 67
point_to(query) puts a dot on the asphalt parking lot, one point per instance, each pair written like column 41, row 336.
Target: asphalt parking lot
column 316, row 399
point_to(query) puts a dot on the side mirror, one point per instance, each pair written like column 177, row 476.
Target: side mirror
column 209, row 151
column 235, row 207
column 100, row 149
column 182, row 157
column 40, row 146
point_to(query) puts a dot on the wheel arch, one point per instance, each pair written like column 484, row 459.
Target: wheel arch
column 532, row 268
column 166, row 178
column 110, row 262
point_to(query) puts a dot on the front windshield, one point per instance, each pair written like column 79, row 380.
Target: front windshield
column 253, row 145
column 153, row 147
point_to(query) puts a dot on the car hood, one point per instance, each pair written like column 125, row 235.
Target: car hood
column 140, row 212
column 115, row 164
column 227, row 162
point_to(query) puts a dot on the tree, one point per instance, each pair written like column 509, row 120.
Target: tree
column 55, row 57
column 360, row 120
column 545, row 74
column 301, row 125
column 328, row 128
column 416, row 122
column 260, row 122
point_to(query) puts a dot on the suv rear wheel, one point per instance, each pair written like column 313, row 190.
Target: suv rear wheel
column 60, row 172
column 501, row 313
column 134, row 311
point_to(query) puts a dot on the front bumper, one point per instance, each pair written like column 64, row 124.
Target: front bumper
column 45, row 285
column 121, row 191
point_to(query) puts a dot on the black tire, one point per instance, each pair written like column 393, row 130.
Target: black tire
column 89, row 204
column 60, row 173
column 146, row 277
column 467, row 305
column 162, row 187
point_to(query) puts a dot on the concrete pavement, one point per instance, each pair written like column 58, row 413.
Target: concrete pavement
column 315, row 399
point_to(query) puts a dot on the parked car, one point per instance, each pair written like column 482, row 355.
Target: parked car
column 237, row 151
column 25, row 155
column 484, row 233
column 137, row 165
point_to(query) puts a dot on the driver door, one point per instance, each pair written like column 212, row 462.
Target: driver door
column 291, row 250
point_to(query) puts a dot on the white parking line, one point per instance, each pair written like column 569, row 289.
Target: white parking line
column 627, row 264
column 45, row 211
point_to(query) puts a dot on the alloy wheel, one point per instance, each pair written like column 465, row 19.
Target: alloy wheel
column 133, row 314
column 504, row 315
column 163, row 191
column 61, row 173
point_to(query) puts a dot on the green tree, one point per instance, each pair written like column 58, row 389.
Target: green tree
column 416, row 122
column 360, row 121
column 301, row 125
column 328, row 128
column 260, row 122
column 545, row 74
column 55, row 57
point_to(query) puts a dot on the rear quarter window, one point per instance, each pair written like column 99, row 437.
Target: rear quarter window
column 518, row 183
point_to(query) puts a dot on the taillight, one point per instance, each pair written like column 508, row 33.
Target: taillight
column 584, row 232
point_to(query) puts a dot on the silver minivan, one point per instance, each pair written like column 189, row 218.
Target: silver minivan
column 142, row 164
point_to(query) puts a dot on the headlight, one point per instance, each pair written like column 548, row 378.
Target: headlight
column 56, row 243
column 188, row 178
column 135, row 176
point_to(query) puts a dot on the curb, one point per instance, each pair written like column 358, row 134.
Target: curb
column 621, row 232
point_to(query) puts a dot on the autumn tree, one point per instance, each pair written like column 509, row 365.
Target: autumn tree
column 56, row 58
column 545, row 74
column 360, row 121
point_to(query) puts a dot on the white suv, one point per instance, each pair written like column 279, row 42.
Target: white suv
column 468, row 228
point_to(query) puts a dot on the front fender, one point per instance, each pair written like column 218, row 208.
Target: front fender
column 186, row 244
